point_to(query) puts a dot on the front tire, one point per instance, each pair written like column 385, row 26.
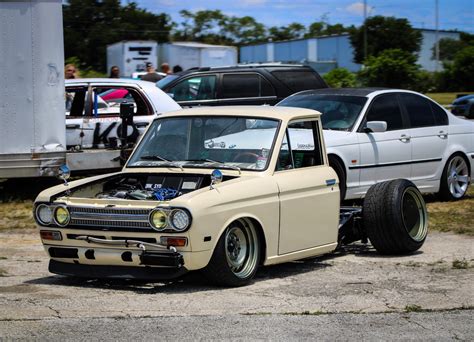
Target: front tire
column 455, row 179
column 395, row 217
column 236, row 257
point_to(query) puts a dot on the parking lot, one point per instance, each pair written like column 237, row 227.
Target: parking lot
column 428, row 295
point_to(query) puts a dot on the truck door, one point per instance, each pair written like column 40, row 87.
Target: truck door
column 309, row 201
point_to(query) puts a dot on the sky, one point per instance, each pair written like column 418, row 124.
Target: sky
column 453, row 14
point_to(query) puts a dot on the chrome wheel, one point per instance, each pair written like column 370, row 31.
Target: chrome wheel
column 457, row 177
column 414, row 214
column 241, row 248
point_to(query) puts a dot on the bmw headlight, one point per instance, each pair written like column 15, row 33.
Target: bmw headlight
column 44, row 214
column 158, row 219
column 180, row 219
column 61, row 216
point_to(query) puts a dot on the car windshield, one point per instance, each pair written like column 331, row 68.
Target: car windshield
column 233, row 142
column 339, row 112
column 165, row 81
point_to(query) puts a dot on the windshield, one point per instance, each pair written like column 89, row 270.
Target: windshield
column 339, row 112
column 165, row 81
column 207, row 141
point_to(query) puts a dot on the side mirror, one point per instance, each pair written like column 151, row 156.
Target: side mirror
column 375, row 126
column 64, row 173
column 216, row 177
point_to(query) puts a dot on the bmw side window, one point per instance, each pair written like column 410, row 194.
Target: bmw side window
column 386, row 108
column 419, row 110
column 195, row 88
column 440, row 115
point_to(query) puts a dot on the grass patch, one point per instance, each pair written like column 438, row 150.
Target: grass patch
column 3, row 273
column 413, row 308
column 461, row 264
column 15, row 215
column 443, row 98
column 3, row 258
column 456, row 216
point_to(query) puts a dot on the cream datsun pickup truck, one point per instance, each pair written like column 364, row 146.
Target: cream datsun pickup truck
column 223, row 190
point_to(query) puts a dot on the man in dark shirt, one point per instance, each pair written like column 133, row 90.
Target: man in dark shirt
column 151, row 75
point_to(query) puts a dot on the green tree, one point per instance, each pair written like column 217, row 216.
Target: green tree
column 384, row 33
column 292, row 31
column 205, row 26
column 392, row 68
column 460, row 72
column 244, row 30
column 90, row 25
column 339, row 78
column 448, row 48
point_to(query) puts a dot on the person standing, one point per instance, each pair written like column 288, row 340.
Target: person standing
column 114, row 72
column 151, row 75
column 70, row 72
column 165, row 68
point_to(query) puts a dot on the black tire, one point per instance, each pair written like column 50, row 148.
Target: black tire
column 451, row 188
column 395, row 217
column 224, row 269
column 341, row 174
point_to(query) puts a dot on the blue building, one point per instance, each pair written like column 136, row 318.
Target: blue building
column 329, row 52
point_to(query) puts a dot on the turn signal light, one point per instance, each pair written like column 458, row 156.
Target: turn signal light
column 51, row 235
column 174, row 241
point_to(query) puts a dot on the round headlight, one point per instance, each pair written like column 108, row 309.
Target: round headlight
column 44, row 214
column 180, row 219
column 61, row 216
column 158, row 219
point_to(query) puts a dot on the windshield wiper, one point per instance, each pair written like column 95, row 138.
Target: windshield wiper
column 157, row 157
column 233, row 167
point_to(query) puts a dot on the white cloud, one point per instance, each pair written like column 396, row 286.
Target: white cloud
column 253, row 2
column 358, row 8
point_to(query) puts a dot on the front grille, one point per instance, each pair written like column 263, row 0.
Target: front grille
column 110, row 219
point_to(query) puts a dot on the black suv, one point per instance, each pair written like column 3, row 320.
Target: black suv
column 247, row 84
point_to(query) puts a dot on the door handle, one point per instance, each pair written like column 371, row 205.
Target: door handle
column 442, row 135
column 72, row 126
column 404, row 138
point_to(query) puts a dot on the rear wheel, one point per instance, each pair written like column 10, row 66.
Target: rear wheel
column 237, row 255
column 341, row 174
column 455, row 179
column 395, row 217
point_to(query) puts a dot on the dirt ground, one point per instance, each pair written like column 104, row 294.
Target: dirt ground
column 439, row 277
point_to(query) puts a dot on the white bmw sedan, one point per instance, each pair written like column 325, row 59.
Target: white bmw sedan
column 375, row 134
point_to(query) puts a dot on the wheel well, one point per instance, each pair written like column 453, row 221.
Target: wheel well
column 336, row 157
column 263, row 242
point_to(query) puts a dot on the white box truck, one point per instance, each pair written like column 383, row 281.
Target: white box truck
column 32, row 122
column 132, row 56
column 191, row 55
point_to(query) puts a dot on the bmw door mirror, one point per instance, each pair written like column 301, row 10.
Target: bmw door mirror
column 375, row 127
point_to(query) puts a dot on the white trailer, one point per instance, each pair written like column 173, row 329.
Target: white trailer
column 32, row 128
column 191, row 55
column 132, row 56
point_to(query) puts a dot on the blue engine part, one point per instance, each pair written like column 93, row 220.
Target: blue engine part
column 164, row 194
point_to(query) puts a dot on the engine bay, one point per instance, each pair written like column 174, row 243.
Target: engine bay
column 154, row 187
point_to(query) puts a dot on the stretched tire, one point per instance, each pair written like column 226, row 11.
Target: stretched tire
column 455, row 178
column 341, row 174
column 236, row 257
column 395, row 217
